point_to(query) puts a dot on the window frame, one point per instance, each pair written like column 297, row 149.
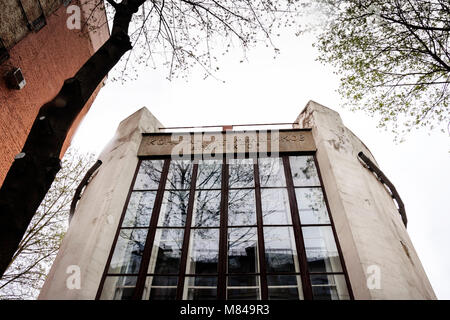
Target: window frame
column 222, row 274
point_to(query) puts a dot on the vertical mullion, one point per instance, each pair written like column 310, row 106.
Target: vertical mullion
column 187, row 233
column 336, row 240
column 139, row 289
column 259, row 224
column 299, row 241
column 223, row 234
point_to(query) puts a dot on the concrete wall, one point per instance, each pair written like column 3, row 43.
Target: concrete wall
column 88, row 241
column 369, row 227
column 46, row 59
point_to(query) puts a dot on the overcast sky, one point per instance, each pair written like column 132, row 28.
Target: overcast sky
column 263, row 90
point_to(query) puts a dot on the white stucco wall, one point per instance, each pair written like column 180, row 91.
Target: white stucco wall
column 368, row 224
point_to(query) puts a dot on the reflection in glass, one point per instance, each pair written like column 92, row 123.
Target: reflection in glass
column 149, row 175
column 275, row 206
column 139, row 209
column 242, row 250
column 304, row 171
column 166, row 251
column 128, row 251
column 200, row 288
column 283, row 280
column 241, row 236
column 161, row 288
column 241, row 173
column 202, row 281
column 271, row 172
column 163, row 293
column 209, row 174
column 203, row 251
column 281, row 255
column 243, row 281
column 243, row 294
column 329, row 287
column 118, row 288
column 286, row 293
column 180, row 174
column 241, row 207
column 311, row 206
column 206, row 209
column 321, row 250
column 284, row 287
column 174, row 208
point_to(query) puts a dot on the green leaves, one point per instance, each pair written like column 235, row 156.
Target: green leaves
column 394, row 58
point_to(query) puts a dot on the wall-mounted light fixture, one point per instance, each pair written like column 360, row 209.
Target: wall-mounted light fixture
column 15, row 79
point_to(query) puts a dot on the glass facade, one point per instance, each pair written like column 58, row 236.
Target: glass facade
column 235, row 229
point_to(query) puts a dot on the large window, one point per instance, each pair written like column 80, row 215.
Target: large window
column 235, row 229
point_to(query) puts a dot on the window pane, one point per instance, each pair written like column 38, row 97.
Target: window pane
column 304, row 171
column 128, row 251
column 209, row 174
column 283, row 280
column 275, row 206
column 180, row 174
column 285, row 287
column 321, row 250
column 288, row 293
column 271, row 172
column 329, row 287
column 139, row 210
column 242, row 250
column 311, row 206
column 241, row 207
column 160, row 288
column 174, row 209
column 204, row 251
column 206, row 209
column 201, row 281
column 243, row 281
column 200, row 288
column 202, row 294
column 163, row 293
column 166, row 251
column 163, row 281
column 118, row 288
column 241, row 173
column 243, row 294
column 281, row 255
column 149, row 175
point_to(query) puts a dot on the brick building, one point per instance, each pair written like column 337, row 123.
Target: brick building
column 34, row 38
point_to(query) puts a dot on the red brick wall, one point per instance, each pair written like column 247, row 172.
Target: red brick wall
column 46, row 59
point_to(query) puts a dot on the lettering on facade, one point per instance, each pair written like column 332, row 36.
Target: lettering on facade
column 213, row 143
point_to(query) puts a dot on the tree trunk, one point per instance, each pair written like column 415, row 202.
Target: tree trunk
column 35, row 168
